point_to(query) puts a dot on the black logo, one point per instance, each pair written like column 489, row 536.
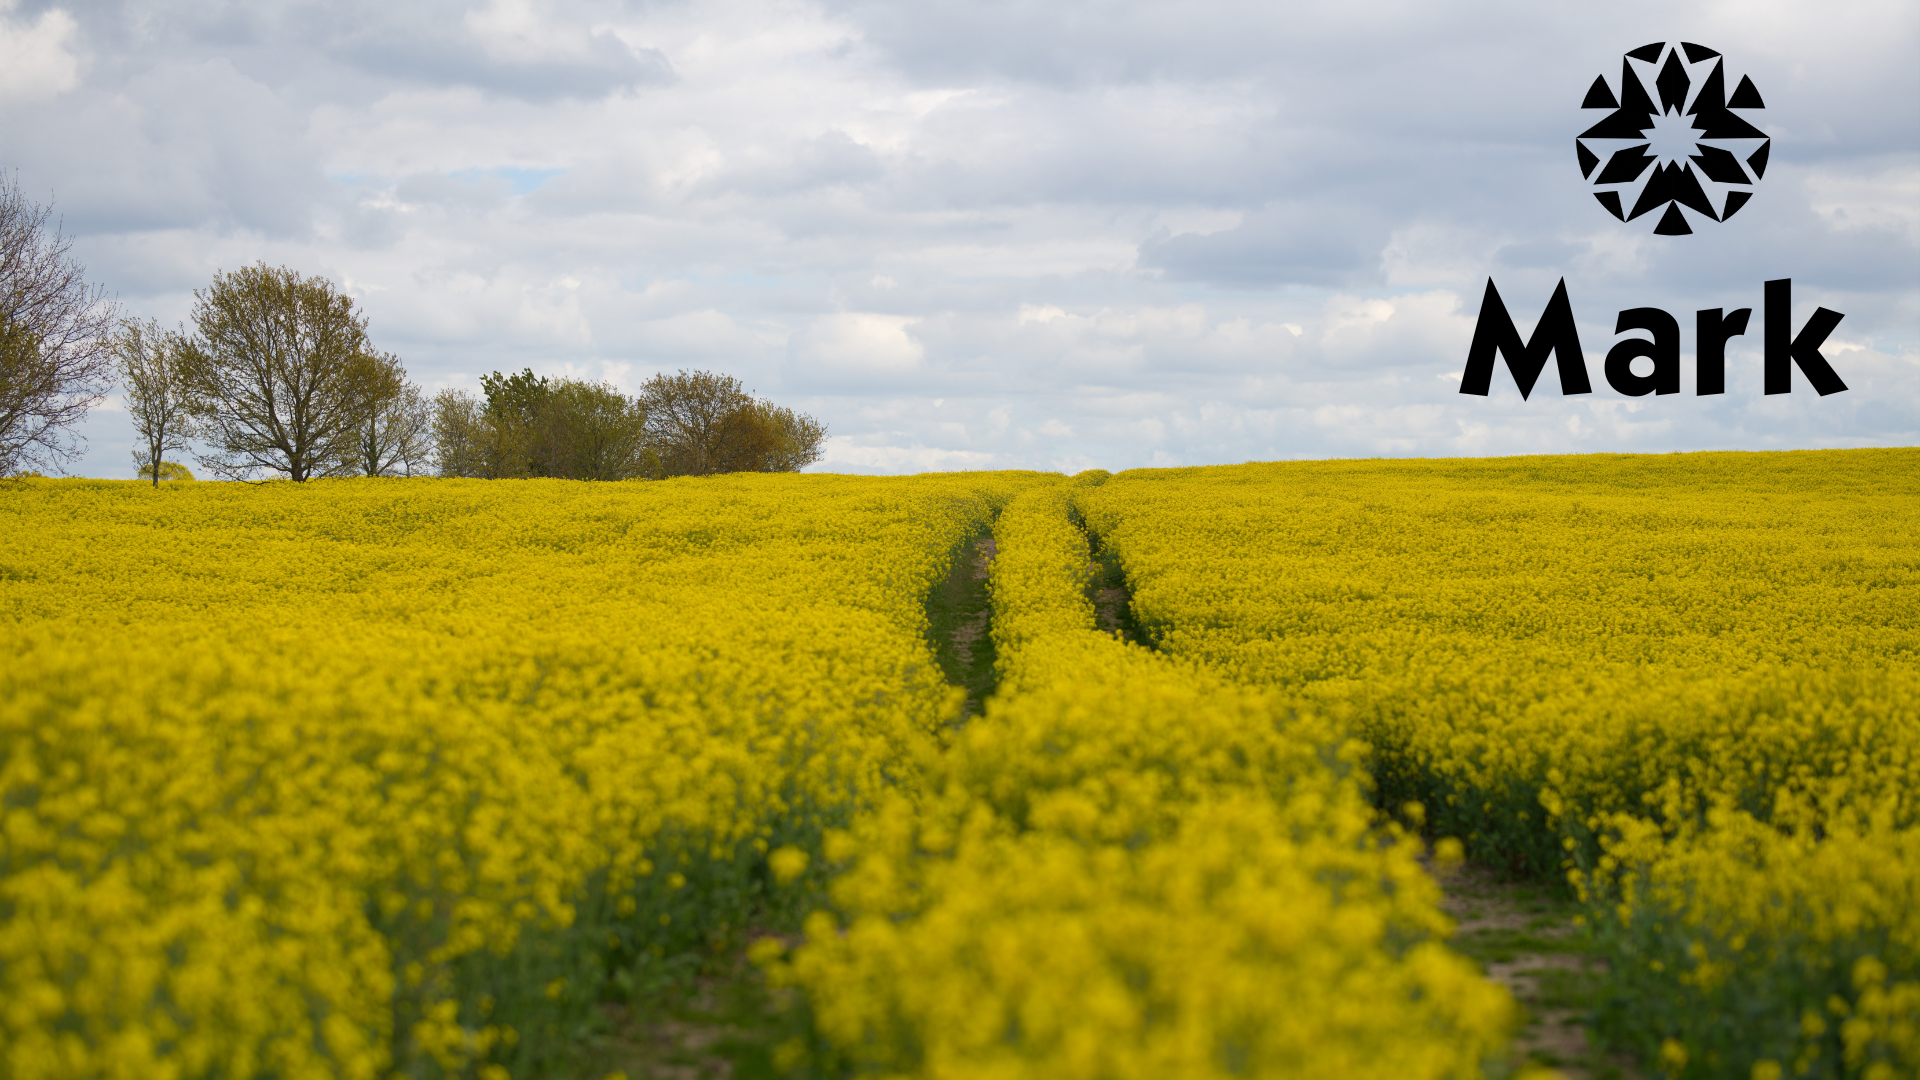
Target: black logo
column 1652, row 150
column 1495, row 337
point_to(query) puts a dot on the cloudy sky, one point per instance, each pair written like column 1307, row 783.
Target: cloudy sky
column 992, row 233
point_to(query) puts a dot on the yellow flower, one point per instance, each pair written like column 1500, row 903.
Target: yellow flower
column 787, row 862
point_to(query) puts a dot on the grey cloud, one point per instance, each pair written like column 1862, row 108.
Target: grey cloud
column 1086, row 42
column 443, row 195
column 188, row 143
column 1284, row 244
column 830, row 159
column 1541, row 253
column 448, row 56
column 307, row 47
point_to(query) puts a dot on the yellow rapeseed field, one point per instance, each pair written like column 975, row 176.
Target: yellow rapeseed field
column 397, row 778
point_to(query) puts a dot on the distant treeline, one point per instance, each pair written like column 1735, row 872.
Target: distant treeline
column 276, row 376
column 689, row 424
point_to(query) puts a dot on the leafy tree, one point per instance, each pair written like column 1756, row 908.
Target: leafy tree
column 702, row 423
column 56, row 338
column 686, row 424
column 534, row 426
column 518, row 398
column 591, row 431
column 159, row 399
column 514, row 407
column 687, row 416
column 284, row 374
column 760, row 436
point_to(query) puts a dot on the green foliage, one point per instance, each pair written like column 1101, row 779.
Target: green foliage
column 589, row 431
column 687, row 416
column 701, row 423
column 169, row 470
column 759, row 436
column 516, row 398
column 532, row 426
column 690, row 424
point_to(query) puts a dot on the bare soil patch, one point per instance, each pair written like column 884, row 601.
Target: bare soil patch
column 1112, row 600
column 724, row 1026
column 1526, row 937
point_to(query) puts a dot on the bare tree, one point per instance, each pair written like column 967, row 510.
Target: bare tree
column 459, row 433
column 284, row 372
column 393, row 437
column 55, row 337
column 472, row 441
column 159, row 399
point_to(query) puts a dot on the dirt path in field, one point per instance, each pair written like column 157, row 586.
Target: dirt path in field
column 971, row 628
column 959, row 614
column 1524, row 936
column 723, row 1027
column 1110, row 606
column 1112, row 600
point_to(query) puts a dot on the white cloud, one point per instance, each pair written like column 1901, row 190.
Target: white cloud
column 842, row 455
column 860, row 344
column 524, row 31
column 37, row 62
